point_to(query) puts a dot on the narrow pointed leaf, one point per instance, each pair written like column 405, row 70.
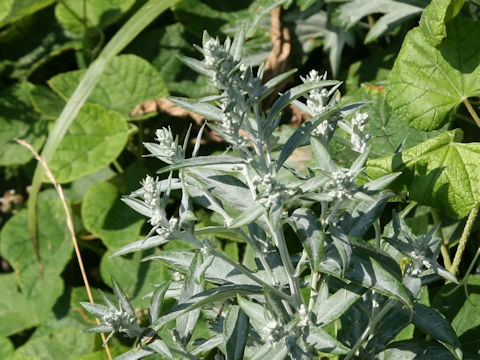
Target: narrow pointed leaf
column 311, row 234
column 248, row 216
column 235, row 331
column 202, row 161
column 201, row 108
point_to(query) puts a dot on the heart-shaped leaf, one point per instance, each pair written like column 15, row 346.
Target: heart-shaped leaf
column 427, row 83
column 440, row 172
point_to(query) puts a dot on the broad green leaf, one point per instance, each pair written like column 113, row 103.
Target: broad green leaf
column 55, row 245
column 462, row 311
column 79, row 187
column 161, row 47
column 12, row 10
column 63, row 315
column 127, row 81
column 427, row 84
column 275, row 351
column 19, row 309
column 27, row 298
column 439, row 172
column 310, row 232
column 46, row 101
column 435, row 16
column 97, row 14
column 416, row 350
column 95, row 139
column 5, row 7
column 18, row 120
column 128, row 270
column 6, row 348
column 105, row 215
column 65, row 343
column 393, row 13
column 387, row 129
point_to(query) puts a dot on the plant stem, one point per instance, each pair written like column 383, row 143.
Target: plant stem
column 443, row 249
column 472, row 112
column 463, row 240
column 287, row 263
column 117, row 166
column 313, row 290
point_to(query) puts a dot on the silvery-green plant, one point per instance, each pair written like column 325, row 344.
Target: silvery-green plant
column 348, row 273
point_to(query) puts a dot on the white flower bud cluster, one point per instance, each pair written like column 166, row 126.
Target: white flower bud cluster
column 317, row 102
column 341, row 186
column 322, row 129
column 166, row 143
column 151, row 197
column 151, row 194
column 228, row 74
column 119, row 320
column 357, row 137
column 270, row 189
column 230, row 125
column 273, row 330
column 317, row 98
column 236, row 81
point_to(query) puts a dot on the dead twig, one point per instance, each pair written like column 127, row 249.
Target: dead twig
column 59, row 190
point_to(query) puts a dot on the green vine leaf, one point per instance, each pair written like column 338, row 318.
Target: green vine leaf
column 105, row 215
column 18, row 120
column 427, row 83
column 27, row 299
column 97, row 13
column 435, row 16
column 127, row 81
column 440, row 172
column 95, row 139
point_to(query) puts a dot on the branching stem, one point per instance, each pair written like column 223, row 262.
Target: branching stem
column 472, row 112
column 463, row 241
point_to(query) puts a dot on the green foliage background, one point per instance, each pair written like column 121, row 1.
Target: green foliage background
column 72, row 72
